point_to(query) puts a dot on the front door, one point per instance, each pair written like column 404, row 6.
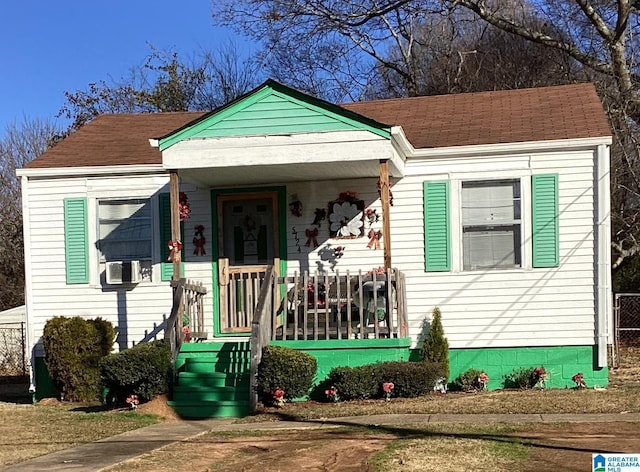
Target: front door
column 247, row 245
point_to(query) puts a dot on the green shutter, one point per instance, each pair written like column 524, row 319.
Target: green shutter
column 437, row 245
column 76, row 241
column 166, row 268
column 545, row 221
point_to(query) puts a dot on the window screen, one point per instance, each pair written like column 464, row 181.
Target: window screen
column 491, row 227
column 124, row 229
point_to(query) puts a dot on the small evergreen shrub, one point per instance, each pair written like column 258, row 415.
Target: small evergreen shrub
column 73, row 348
column 435, row 348
column 467, row 381
column 355, row 383
column 144, row 370
column 521, row 378
column 284, row 368
column 410, row 379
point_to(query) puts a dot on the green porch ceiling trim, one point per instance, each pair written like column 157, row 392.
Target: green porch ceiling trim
column 76, row 240
column 561, row 362
column 281, row 198
column 544, row 192
column 273, row 109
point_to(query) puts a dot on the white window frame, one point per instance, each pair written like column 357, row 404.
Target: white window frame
column 144, row 201
column 96, row 266
column 456, row 179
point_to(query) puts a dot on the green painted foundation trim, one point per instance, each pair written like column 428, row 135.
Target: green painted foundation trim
column 45, row 387
column 345, row 344
column 348, row 352
column 561, row 363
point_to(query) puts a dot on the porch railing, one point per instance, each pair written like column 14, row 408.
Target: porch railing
column 323, row 306
column 186, row 321
column 261, row 331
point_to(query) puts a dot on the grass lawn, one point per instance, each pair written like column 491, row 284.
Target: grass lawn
column 32, row 430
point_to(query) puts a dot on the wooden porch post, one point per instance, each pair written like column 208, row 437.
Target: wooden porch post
column 174, row 198
column 385, row 200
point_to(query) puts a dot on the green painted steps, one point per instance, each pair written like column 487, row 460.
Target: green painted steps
column 212, row 380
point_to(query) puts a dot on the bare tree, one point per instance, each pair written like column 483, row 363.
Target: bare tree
column 399, row 47
column 20, row 144
column 166, row 82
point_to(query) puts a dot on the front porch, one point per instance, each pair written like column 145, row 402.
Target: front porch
column 350, row 312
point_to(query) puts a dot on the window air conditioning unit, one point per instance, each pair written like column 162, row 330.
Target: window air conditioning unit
column 123, row 272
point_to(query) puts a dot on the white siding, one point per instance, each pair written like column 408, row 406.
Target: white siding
column 497, row 308
column 137, row 312
column 517, row 307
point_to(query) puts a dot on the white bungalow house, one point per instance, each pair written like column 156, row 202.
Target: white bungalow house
column 355, row 221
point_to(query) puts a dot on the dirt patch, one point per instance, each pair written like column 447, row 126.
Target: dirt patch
column 327, row 451
column 569, row 446
column 158, row 406
column 558, row 447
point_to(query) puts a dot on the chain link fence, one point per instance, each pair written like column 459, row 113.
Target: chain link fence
column 626, row 327
column 13, row 349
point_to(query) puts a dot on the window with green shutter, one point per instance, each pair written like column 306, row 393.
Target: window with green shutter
column 545, row 220
column 437, row 244
column 164, row 205
column 76, row 243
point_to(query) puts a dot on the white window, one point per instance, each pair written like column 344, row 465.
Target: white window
column 491, row 224
column 125, row 230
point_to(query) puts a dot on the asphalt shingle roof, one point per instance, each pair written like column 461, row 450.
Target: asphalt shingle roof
column 536, row 114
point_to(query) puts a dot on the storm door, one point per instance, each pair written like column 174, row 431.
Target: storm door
column 247, row 245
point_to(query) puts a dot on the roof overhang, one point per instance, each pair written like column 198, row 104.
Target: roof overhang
column 85, row 171
column 242, row 160
column 478, row 150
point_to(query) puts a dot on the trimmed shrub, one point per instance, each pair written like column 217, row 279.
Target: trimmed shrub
column 435, row 348
column 355, row 383
column 467, row 381
column 521, row 378
column 144, row 370
column 286, row 369
column 410, row 379
column 73, row 348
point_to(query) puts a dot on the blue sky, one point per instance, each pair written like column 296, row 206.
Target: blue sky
column 48, row 47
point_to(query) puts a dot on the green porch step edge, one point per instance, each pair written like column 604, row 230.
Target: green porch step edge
column 210, row 409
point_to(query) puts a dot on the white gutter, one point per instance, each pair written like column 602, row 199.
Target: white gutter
column 91, row 170
column 28, row 292
column 604, row 302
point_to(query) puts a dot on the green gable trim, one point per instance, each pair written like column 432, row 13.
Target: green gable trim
column 545, row 220
column 164, row 230
column 437, row 233
column 274, row 109
column 76, row 241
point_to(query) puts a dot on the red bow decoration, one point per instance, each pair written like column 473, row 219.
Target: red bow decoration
column 374, row 239
column 174, row 251
column 199, row 241
column 311, row 237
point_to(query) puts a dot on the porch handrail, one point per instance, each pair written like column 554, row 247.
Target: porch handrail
column 187, row 298
column 261, row 332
